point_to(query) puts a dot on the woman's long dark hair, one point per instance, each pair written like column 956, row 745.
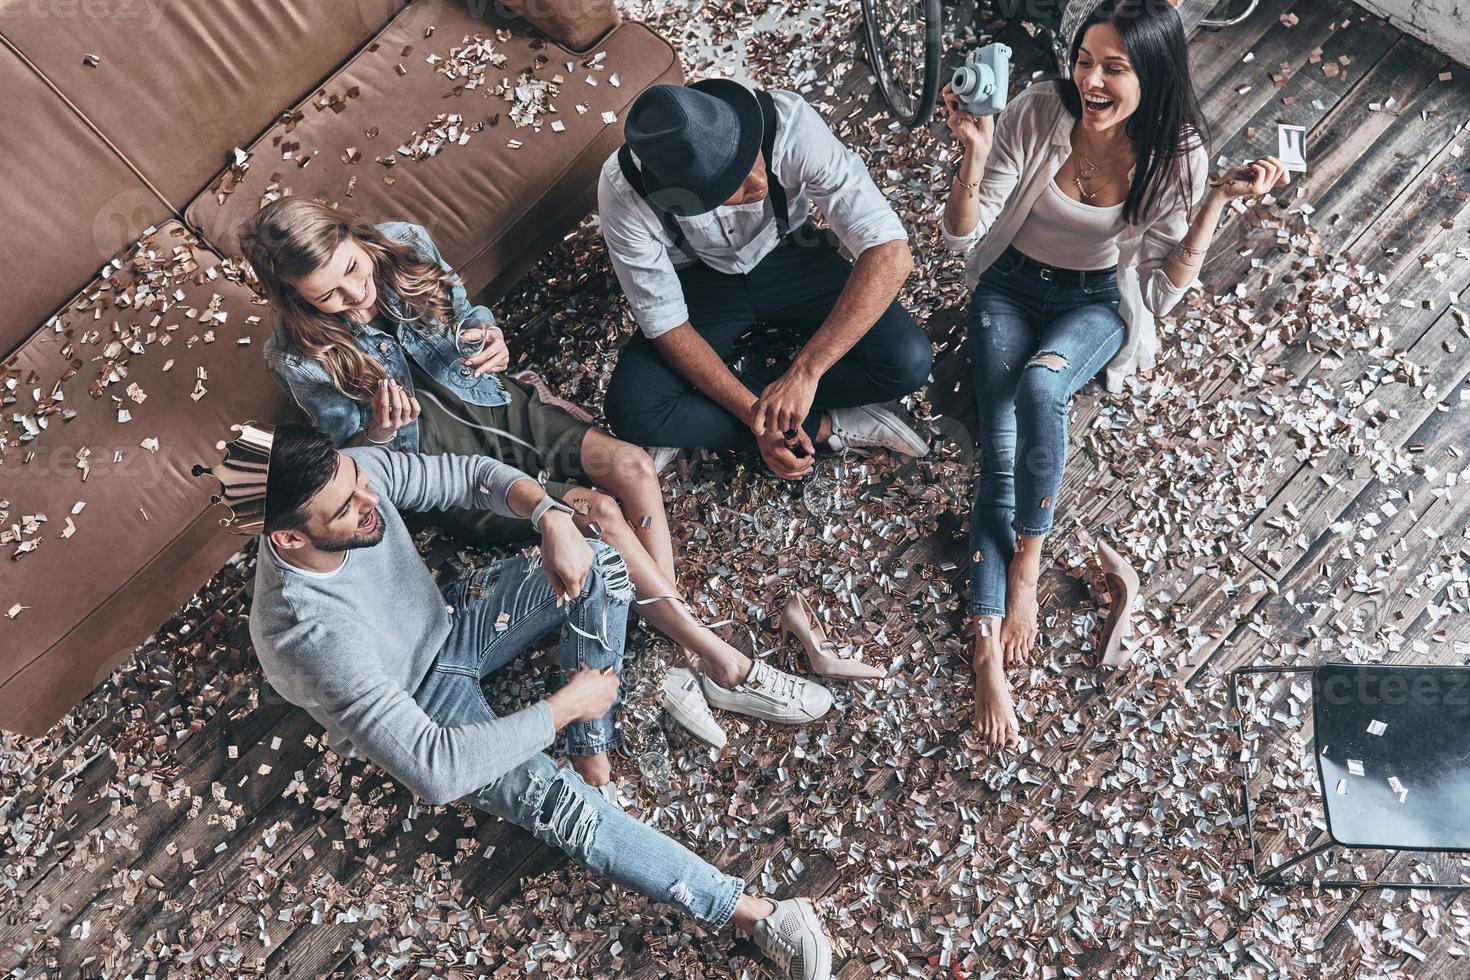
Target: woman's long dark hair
column 1168, row 123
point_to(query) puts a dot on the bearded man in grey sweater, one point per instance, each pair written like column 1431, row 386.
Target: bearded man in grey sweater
column 349, row 624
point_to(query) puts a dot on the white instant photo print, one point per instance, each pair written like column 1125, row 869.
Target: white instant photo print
column 1292, row 147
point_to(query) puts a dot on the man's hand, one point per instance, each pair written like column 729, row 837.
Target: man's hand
column 781, row 459
column 565, row 554
column 586, row 696
column 784, row 403
column 493, row 357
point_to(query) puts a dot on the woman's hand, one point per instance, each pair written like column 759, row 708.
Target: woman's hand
column 975, row 133
column 393, row 408
column 1252, row 180
column 493, row 357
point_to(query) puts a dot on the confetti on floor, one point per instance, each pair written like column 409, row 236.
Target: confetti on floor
column 1287, row 481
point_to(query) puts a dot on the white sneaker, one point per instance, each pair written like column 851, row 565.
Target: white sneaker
column 662, row 456
column 870, row 427
column 771, row 695
column 609, row 791
column 685, row 703
column 793, row 939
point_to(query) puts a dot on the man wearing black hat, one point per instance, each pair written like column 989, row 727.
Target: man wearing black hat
column 705, row 216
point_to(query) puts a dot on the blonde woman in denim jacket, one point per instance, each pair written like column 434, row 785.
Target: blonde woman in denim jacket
column 1086, row 211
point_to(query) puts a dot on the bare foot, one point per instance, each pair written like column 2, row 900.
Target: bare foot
column 1018, row 630
column 995, row 715
column 594, row 769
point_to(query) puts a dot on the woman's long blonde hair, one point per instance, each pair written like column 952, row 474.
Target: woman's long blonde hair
column 290, row 238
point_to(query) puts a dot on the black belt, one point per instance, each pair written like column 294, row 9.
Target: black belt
column 1075, row 278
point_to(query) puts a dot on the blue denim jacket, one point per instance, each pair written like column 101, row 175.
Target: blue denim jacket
column 431, row 346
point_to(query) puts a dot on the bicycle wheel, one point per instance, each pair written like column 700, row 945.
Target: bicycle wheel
column 903, row 48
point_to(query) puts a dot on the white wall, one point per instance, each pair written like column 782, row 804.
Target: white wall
column 1444, row 24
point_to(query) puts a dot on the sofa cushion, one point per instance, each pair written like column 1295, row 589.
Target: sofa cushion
column 493, row 194
column 67, row 201
column 177, row 86
column 576, row 26
column 163, row 324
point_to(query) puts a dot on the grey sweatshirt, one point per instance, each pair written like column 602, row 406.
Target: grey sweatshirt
column 351, row 646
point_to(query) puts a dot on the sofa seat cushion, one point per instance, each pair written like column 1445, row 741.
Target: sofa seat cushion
column 68, row 202
column 106, row 409
column 177, row 86
column 391, row 136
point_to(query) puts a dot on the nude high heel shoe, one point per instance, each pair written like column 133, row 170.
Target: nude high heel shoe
column 1122, row 583
column 825, row 657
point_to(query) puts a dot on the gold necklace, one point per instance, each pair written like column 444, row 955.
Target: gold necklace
column 1078, row 176
column 1093, row 171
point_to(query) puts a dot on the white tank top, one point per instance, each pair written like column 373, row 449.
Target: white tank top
column 1068, row 234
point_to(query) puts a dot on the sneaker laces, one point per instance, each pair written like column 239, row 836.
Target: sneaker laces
column 776, row 944
column 699, row 705
column 767, row 679
column 842, row 438
column 838, row 441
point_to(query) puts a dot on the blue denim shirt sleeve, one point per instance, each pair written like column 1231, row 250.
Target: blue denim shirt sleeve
column 466, row 314
column 328, row 409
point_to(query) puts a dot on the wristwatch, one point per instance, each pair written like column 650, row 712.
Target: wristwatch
column 548, row 502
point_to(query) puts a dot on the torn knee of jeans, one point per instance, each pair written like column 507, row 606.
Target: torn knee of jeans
column 1050, row 360
column 534, row 789
column 614, row 572
column 681, row 893
column 563, row 815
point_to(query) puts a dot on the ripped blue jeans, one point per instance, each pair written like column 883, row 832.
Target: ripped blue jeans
column 1033, row 345
column 500, row 609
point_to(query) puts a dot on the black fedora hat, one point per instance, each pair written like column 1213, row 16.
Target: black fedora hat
column 695, row 144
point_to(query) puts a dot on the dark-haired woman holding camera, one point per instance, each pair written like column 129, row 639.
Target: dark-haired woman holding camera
column 1086, row 212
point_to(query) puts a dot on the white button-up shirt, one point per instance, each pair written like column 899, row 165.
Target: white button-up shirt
column 813, row 167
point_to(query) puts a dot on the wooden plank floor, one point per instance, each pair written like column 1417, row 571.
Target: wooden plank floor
column 201, row 867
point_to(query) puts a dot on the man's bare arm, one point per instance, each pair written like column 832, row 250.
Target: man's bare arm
column 876, row 278
column 694, row 358
column 874, row 281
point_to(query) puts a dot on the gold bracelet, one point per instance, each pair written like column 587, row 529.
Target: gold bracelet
column 1180, row 246
column 970, row 185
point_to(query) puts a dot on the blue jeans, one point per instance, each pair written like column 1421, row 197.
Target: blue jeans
column 792, row 290
column 1033, row 345
column 552, row 802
